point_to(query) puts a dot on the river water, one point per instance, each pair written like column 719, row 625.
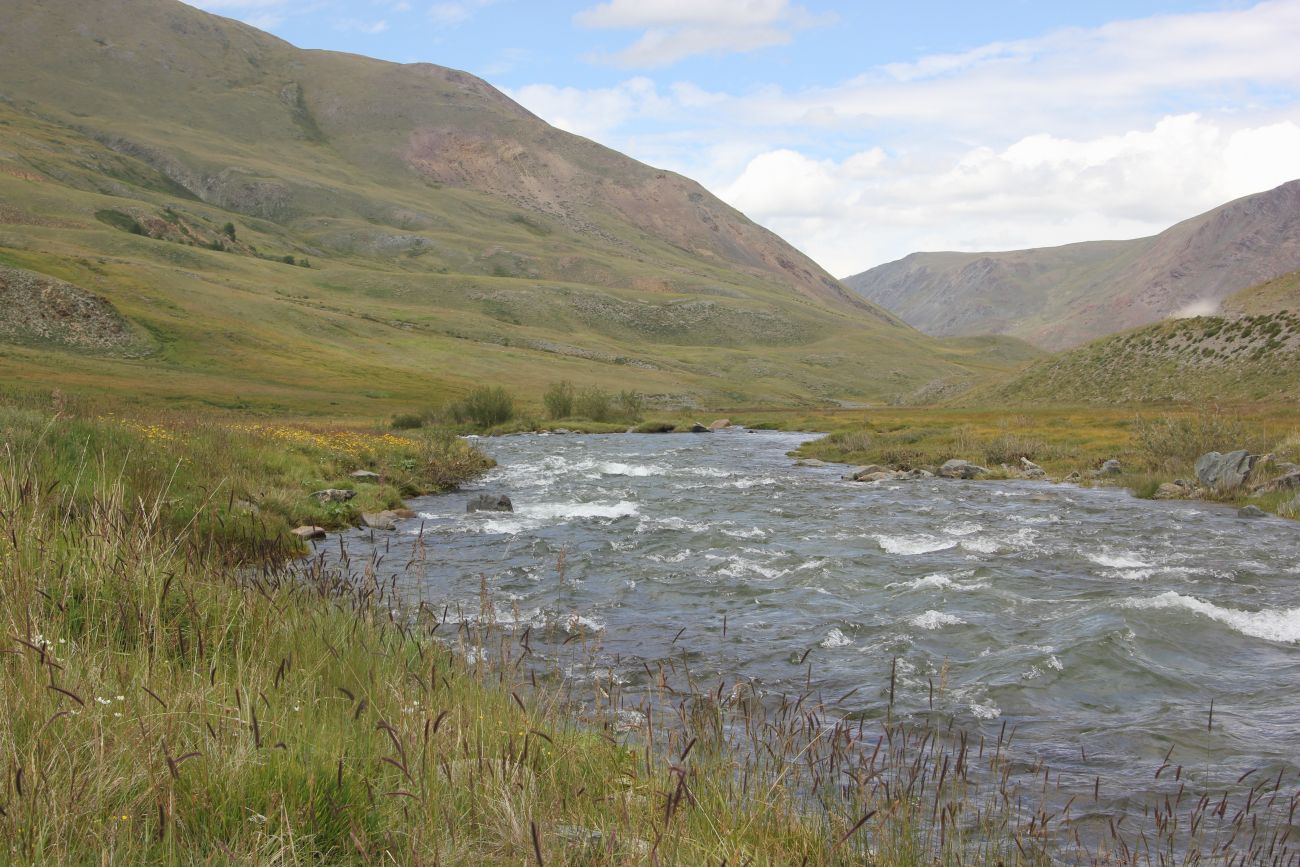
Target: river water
column 1098, row 625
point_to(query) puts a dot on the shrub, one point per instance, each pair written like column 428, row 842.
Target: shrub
column 1009, row 448
column 559, row 400
column 485, row 406
column 119, row 220
column 289, row 260
column 631, row 405
column 408, row 421
column 1174, row 441
column 594, row 403
column 229, row 230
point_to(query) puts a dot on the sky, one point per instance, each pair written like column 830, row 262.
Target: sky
column 864, row 131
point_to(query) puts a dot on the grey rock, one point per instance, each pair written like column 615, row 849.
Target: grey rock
column 1225, row 472
column 699, row 428
column 720, row 424
column 1110, row 468
column 859, row 474
column 1288, row 482
column 307, row 533
column 810, row 462
column 386, row 520
column 886, row 476
column 959, row 469
column 364, row 476
column 1171, row 491
column 1073, row 477
column 1251, row 512
column 1031, row 470
column 334, row 495
column 489, row 503
column 918, row 474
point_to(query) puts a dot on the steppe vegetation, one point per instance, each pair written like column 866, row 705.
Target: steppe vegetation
column 162, row 704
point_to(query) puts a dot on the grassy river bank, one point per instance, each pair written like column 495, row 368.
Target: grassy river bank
column 179, row 689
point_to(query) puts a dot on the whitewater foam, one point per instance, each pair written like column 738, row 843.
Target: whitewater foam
column 940, row 581
column 1281, row 624
column 935, row 620
column 908, row 546
column 836, row 638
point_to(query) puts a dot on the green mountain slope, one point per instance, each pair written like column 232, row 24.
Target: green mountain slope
column 1060, row 297
column 1250, row 353
column 169, row 162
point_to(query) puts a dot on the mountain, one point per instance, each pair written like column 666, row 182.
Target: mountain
column 1060, row 297
column 1249, row 353
column 290, row 228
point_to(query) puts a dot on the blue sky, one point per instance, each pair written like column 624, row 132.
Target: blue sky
column 864, row 131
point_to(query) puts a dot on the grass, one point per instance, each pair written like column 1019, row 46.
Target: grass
column 160, row 705
column 238, row 485
column 1152, row 444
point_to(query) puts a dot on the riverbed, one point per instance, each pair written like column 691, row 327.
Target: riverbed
column 1099, row 626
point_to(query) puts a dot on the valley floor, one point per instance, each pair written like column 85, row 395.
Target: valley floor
column 173, row 692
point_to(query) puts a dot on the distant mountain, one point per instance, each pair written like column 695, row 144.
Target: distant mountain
column 175, row 164
column 1060, row 297
column 1249, row 353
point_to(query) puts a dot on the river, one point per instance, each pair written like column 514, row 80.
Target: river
column 1098, row 625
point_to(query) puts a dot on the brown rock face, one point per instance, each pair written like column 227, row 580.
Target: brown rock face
column 1060, row 297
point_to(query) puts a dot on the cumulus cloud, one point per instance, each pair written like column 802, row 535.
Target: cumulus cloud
column 677, row 29
column 1108, row 132
column 1042, row 190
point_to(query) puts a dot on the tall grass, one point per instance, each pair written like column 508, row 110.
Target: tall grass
column 160, row 706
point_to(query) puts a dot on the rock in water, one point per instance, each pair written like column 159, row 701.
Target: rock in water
column 1251, row 512
column 720, row 424
column 307, row 533
column 699, row 428
column 959, row 469
column 1225, row 472
column 490, row 503
column 1031, row 469
column 386, row 520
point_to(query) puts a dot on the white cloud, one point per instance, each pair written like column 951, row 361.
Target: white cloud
column 450, row 14
column 677, row 29
column 1107, row 132
column 1040, row 191
column 353, row 25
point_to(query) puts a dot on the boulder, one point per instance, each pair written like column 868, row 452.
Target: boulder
column 386, row 520
column 810, row 462
column 1251, row 512
column 886, row 476
column 699, row 428
column 1031, row 469
column 1225, row 472
column 308, row 534
column 917, row 474
column 489, row 503
column 334, row 495
column 959, row 469
column 1288, row 482
column 1111, row 467
column 1171, row 491
column 1073, row 477
column 364, row 476
column 720, row 424
column 859, row 474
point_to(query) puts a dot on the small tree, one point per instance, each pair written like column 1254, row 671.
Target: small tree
column 559, row 399
column 229, row 230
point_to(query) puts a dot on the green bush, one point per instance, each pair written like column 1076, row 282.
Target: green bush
column 631, row 405
column 229, row 230
column 559, row 400
column 408, row 421
column 594, row 403
column 484, row 406
column 119, row 220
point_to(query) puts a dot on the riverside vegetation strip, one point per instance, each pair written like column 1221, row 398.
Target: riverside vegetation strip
column 161, row 705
